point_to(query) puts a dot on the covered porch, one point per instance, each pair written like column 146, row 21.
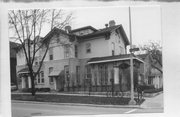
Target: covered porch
column 24, row 78
column 56, row 80
column 114, row 72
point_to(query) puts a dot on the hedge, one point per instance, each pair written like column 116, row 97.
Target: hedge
column 36, row 89
column 153, row 90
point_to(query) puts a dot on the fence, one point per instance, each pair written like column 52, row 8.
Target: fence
column 95, row 81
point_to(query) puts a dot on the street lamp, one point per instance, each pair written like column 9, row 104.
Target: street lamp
column 132, row 101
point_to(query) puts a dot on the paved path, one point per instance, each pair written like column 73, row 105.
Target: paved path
column 154, row 102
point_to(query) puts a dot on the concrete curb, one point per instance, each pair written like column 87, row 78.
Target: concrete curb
column 79, row 104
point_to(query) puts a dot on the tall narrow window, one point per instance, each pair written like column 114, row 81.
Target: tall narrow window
column 78, row 74
column 113, row 48
column 39, row 80
column 88, row 48
column 67, row 75
column 51, row 54
column 66, row 51
column 76, row 51
column 88, row 69
column 42, row 77
column 51, row 78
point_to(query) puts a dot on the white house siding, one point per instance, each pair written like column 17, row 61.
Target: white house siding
column 117, row 39
column 20, row 58
column 98, row 48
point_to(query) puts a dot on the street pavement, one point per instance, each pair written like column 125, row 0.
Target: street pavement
column 28, row 109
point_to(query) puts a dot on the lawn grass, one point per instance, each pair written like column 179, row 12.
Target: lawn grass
column 73, row 99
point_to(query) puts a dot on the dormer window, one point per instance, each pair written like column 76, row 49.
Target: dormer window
column 88, row 48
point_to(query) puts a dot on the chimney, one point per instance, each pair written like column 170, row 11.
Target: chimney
column 112, row 23
column 68, row 28
column 106, row 25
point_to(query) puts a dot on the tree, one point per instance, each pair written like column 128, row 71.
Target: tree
column 27, row 26
column 154, row 50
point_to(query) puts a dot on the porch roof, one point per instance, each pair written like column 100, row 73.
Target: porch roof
column 26, row 70
column 54, row 73
column 113, row 58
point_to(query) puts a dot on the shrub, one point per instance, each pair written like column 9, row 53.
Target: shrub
column 43, row 89
column 147, row 87
column 28, row 89
column 153, row 90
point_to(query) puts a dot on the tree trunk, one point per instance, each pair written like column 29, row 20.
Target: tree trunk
column 33, row 92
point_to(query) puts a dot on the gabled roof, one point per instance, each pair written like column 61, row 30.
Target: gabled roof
column 54, row 31
column 100, row 32
column 106, row 31
column 83, row 28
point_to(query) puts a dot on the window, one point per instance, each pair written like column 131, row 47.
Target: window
column 36, row 60
column 88, row 48
column 88, row 71
column 113, row 48
column 42, row 77
column 36, row 63
column 76, row 51
column 67, row 75
column 66, row 51
column 50, row 69
column 39, row 79
column 51, row 54
column 121, row 50
column 51, row 80
column 78, row 74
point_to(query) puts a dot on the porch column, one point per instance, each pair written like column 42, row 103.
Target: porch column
column 116, row 75
column 55, row 87
column 23, row 82
column 29, row 82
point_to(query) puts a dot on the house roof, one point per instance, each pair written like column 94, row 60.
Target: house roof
column 54, row 73
column 13, row 45
column 112, row 58
column 106, row 31
column 142, row 56
column 54, row 31
column 100, row 32
column 26, row 70
column 83, row 28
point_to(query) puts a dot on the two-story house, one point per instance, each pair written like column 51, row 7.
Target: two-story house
column 83, row 57
column 149, row 74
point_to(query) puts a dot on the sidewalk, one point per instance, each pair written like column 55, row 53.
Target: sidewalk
column 154, row 102
column 150, row 102
column 79, row 104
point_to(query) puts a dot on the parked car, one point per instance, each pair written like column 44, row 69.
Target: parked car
column 13, row 87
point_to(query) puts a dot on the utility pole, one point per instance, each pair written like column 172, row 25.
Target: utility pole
column 132, row 101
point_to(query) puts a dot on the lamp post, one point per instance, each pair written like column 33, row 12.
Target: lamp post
column 132, row 101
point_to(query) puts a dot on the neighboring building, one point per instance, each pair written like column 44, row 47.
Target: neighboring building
column 13, row 62
column 80, row 58
column 150, row 75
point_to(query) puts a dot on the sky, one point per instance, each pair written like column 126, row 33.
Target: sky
column 145, row 20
